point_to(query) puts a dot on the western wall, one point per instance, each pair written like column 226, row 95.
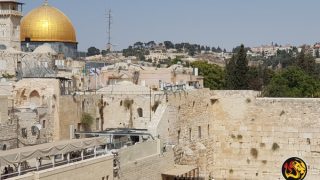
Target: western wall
column 239, row 135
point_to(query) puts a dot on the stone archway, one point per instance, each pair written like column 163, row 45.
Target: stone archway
column 35, row 98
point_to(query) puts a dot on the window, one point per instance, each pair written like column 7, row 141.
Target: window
column 178, row 136
column 199, row 131
column 189, row 134
column 208, row 130
column 35, row 98
column 140, row 112
column 34, row 130
column 43, row 123
column 4, row 147
column 24, row 132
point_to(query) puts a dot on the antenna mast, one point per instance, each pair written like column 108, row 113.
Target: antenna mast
column 109, row 18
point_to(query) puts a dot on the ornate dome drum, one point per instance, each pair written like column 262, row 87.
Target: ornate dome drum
column 47, row 24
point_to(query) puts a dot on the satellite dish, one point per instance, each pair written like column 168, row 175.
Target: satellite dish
column 32, row 106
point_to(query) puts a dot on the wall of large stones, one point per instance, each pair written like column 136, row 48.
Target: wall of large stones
column 243, row 136
column 191, row 128
column 71, row 109
column 117, row 115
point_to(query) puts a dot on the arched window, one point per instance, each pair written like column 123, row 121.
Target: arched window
column 4, row 147
column 140, row 112
column 34, row 130
column 35, row 97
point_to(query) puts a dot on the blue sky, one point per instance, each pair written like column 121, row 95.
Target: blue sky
column 226, row 23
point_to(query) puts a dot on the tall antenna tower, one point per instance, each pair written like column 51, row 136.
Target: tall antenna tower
column 109, row 21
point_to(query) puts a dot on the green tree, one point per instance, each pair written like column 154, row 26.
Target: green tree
column 293, row 82
column 237, row 71
column 92, row 51
column 306, row 62
column 104, row 52
column 138, row 45
column 213, row 75
column 219, row 50
column 168, row 44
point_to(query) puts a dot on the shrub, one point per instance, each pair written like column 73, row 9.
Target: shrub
column 254, row 152
column 127, row 103
column 275, row 146
column 86, row 119
column 239, row 137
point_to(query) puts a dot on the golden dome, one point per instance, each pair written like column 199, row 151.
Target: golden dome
column 47, row 24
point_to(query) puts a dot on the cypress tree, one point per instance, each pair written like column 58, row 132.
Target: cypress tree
column 306, row 62
column 237, row 71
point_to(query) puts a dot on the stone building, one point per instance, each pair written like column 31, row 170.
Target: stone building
column 152, row 77
column 130, row 106
column 10, row 16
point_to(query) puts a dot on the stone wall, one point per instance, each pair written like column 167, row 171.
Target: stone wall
column 70, row 111
column 118, row 115
column 4, row 109
column 237, row 135
column 8, row 136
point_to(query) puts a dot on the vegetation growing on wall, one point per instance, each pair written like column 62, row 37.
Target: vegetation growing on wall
column 86, row 120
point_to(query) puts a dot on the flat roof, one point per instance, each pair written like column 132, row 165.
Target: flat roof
column 8, row 1
column 178, row 170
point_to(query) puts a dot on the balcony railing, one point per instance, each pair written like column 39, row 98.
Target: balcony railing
column 10, row 12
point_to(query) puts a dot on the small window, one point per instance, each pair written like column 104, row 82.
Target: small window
column 24, row 132
column 189, row 134
column 208, row 130
column 107, row 177
column 43, row 123
column 4, row 147
column 178, row 136
column 140, row 112
column 199, row 131
column 34, row 130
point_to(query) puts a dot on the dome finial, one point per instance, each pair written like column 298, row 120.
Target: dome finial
column 45, row 2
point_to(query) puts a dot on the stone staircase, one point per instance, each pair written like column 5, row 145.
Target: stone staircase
column 155, row 120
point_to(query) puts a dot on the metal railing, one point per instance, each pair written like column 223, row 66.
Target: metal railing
column 18, row 171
